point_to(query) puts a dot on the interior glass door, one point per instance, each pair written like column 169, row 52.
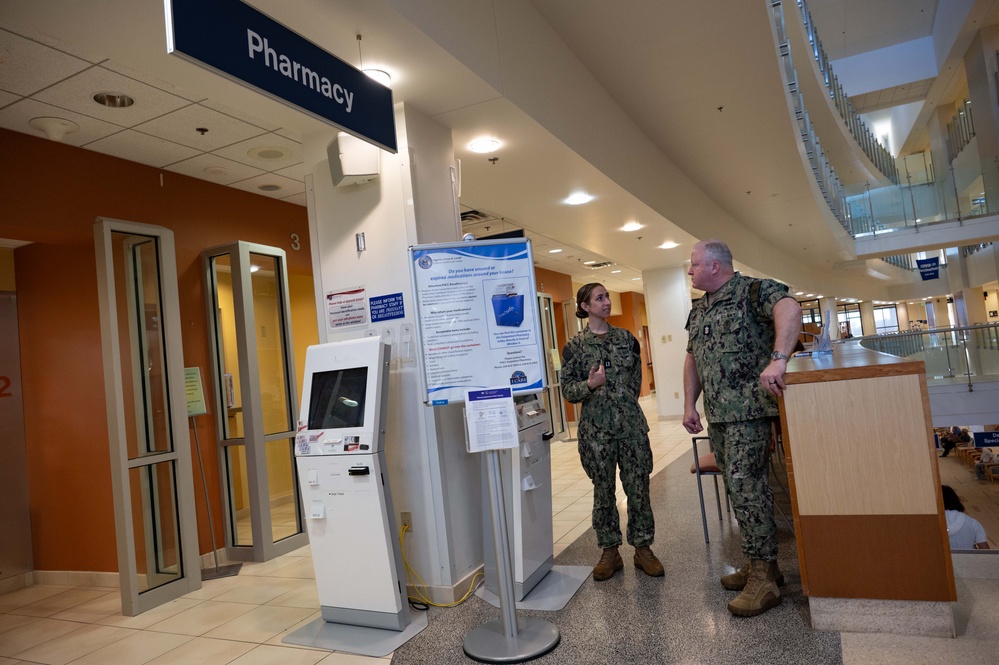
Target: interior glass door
column 147, row 419
column 254, row 379
column 557, row 423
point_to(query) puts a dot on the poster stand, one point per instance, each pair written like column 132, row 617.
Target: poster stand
column 508, row 639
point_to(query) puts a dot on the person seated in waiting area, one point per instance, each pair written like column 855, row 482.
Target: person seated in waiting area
column 951, row 441
column 965, row 533
column 989, row 457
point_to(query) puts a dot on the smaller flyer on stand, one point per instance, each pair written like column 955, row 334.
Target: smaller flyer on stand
column 491, row 419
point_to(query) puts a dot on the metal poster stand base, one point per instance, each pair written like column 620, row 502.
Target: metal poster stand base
column 507, row 640
column 228, row 570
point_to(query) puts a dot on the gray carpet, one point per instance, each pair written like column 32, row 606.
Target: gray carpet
column 681, row 618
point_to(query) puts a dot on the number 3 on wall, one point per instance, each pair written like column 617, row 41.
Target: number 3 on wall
column 5, row 387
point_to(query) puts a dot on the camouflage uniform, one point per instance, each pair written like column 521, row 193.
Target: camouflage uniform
column 612, row 432
column 731, row 344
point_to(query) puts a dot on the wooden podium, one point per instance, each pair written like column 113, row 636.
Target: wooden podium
column 865, row 492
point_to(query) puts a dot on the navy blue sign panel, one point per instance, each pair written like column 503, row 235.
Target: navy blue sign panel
column 929, row 268
column 986, row 439
column 239, row 42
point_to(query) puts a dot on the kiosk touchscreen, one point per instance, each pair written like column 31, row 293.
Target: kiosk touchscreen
column 341, row 469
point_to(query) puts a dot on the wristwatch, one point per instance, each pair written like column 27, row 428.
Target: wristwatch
column 777, row 355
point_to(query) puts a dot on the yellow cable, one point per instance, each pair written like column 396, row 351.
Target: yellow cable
column 422, row 587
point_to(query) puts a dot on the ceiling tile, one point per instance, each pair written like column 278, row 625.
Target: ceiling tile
column 16, row 117
column 245, row 117
column 297, row 199
column 125, row 70
column 77, row 94
column 8, row 98
column 288, row 186
column 27, row 66
column 239, row 152
column 181, row 127
column 203, row 167
column 142, row 148
column 295, row 171
column 288, row 134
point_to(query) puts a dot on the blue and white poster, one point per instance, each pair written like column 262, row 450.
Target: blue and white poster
column 929, row 268
column 478, row 322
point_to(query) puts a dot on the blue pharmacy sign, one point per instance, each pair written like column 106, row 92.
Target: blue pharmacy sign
column 929, row 268
column 477, row 313
column 986, row 439
column 240, row 43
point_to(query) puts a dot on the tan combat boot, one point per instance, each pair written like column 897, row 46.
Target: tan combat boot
column 610, row 562
column 737, row 580
column 647, row 562
column 759, row 594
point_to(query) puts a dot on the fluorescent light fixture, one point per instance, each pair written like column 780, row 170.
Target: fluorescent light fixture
column 484, row 145
column 554, row 251
column 632, row 226
column 588, row 263
column 578, row 198
column 635, row 279
column 669, row 244
column 614, row 272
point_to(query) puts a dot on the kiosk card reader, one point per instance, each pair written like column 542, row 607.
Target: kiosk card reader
column 340, row 455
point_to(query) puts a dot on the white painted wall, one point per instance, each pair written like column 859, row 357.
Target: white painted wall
column 887, row 67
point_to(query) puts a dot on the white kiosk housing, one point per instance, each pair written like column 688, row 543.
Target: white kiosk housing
column 340, row 456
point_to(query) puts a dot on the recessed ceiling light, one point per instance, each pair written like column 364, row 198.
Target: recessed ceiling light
column 588, row 263
column 578, row 198
column 554, row 251
column 635, row 279
column 217, row 170
column 632, row 226
column 113, row 100
column 254, row 268
column 809, row 295
column 819, row 296
column 483, row 146
column 614, row 272
column 800, row 293
column 669, row 244
column 269, row 153
column 269, row 187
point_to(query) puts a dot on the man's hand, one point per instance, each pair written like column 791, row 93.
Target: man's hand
column 597, row 377
column 772, row 377
column 692, row 420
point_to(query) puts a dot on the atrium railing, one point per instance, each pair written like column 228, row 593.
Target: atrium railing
column 822, row 170
column 865, row 138
column 925, row 197
column 960, row 130
column 949, row 353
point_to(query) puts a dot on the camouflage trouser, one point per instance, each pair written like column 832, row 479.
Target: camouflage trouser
column 634, row 457
column 742, row 450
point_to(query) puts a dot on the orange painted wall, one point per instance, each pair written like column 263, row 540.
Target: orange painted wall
column 51, row 195
column 631, row 317
column 559, row 286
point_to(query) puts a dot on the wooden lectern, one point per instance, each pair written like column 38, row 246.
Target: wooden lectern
column 865, row 492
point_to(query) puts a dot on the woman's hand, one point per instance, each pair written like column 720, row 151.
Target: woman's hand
column 597, row 377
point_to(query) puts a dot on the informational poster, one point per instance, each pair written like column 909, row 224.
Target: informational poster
column 386, row 308
column 195, row 392
column 346, row 308
column 478, row 322
column 491, row 419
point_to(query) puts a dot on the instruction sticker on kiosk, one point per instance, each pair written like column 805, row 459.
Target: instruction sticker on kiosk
column 491, row 419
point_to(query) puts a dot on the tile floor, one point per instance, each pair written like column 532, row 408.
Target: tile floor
column 241, row 620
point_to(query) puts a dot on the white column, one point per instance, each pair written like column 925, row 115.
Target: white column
column 412, row 201
column 667, row 303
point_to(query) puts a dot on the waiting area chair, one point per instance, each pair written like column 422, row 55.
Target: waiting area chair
column 706, row 465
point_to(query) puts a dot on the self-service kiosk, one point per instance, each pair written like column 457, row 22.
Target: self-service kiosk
column 340, row 456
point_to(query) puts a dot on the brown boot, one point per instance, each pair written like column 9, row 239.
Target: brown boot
column 737, row 580
column 610, row 562
column 647, row 562
column 759, row 594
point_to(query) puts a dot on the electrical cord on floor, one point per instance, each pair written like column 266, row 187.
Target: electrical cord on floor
column 422, row 602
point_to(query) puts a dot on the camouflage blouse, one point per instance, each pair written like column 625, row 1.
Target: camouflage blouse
column 731, row 340
column 610, row 410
